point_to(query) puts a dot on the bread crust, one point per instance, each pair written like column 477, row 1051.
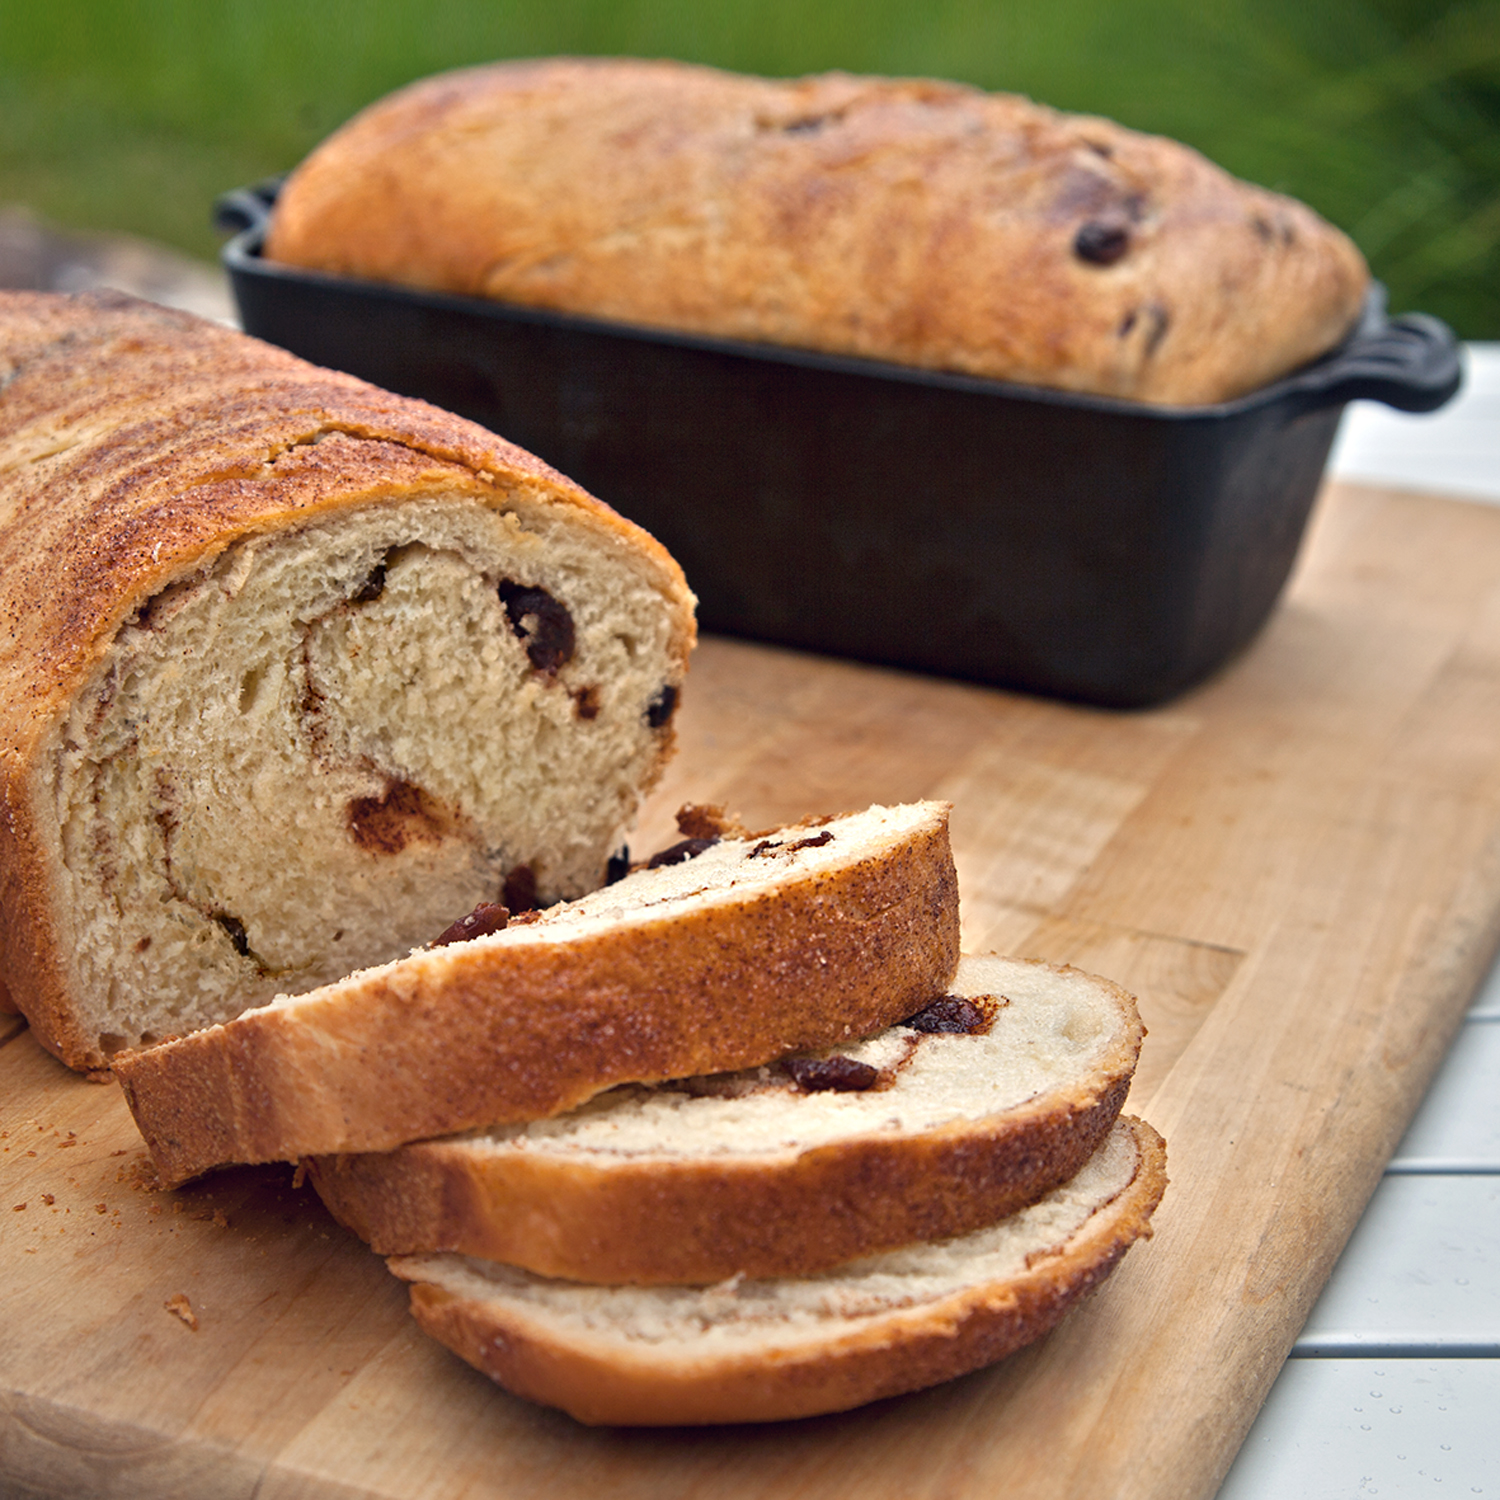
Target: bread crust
column 658, row 1219
column 898, row 219
column 599, row 1383
column 136, row 443
column 507, row 1029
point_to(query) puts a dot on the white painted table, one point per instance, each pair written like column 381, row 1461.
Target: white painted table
column 1393, row 1389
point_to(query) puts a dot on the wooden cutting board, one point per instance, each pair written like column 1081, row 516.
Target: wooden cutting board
column 1297, row 868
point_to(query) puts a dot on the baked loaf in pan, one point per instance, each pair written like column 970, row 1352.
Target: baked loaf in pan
column 746, row 949
column 971, row 1110
column 760, row 1351
column 292, row 671
column 919, row 222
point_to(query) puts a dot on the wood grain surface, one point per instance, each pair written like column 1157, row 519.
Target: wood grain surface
column 1297, row 868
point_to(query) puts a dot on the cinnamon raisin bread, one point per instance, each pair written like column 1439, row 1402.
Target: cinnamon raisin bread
column 969, row 1110
column 908, row 220
column 292, row 670
column 745, row 949
column 759, row 1351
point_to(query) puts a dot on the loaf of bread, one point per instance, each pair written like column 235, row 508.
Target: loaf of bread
column 760, row 1351
column 966, row 1112
column 292, row 672
column 742, row 950
column 919, row 222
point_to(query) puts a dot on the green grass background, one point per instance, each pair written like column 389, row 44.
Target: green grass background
column 1383, row 114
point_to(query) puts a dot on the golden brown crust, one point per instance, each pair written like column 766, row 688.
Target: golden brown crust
column 485, row 1034
column 908, row 220
column 137, row 442
column 884, row 1356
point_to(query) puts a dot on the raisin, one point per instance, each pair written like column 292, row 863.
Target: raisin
column 372, row 588
column 843, row 1074
column 660, row 709
column 678, row 852
column 542, row 623
column 815, row 842
column 485, row 918
column 1101, row 243
column 520, row 889
column 235, row 930
column 617, row 866
column 952, row 1014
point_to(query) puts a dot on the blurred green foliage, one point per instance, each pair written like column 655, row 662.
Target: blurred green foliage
column 1383, row 114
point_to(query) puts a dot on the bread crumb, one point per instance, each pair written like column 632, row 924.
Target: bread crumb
column 179, row 1306
column 141, row 1175
column 101, row 1208
column 48, row 1199
column 17, row 1208
column 221, row 1218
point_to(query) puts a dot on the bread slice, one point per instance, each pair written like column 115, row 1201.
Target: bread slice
column 293, row 672
column 752, row 948
column 760, row 1351
column 928, row 1134
column 900, row 219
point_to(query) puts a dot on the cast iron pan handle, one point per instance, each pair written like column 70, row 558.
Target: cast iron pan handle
column 246, row 207
column 1410, row 362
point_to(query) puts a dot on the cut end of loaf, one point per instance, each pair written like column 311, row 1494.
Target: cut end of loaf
column 312, row 753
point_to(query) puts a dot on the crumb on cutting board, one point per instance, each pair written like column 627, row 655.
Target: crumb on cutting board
column 179, row 1306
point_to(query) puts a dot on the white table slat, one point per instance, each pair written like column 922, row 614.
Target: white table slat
column 1487, row 1002
column 1337, row 1429
column 1457, row 1128
column 1420, row 1275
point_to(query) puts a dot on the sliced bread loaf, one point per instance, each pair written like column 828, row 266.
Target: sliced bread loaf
column 292, row 671
column 747, row 949
column 759, row 1351
column 969, row 1111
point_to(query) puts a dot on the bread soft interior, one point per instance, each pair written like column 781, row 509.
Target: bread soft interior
column 327, row 744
